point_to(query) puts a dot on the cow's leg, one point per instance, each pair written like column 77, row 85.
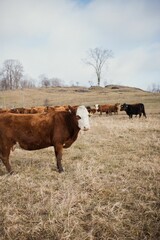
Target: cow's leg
column 58, row 152
column 144, row 114
column 140, row 115
column 5, row 159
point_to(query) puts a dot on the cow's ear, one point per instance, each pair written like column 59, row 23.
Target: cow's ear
column 70, row 109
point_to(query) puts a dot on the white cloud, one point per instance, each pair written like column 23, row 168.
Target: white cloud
column 140, row 67
column 53, row 36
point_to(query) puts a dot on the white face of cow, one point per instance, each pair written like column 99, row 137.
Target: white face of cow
column 96, row 106
column 83, row 122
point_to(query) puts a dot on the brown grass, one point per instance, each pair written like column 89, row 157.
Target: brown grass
column 78, row 95
column 110, row 188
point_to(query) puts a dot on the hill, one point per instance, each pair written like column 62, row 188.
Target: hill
column 79, row 95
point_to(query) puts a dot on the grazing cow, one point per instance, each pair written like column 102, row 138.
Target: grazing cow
column 40, row 109
column 3, row 110
column 61, row 108
column 113, row 108
column 133, row 109
column 17, row 110
column 57, row 108
column 27, row 110
column 107, row 108
column 37, row 131
column 102, row 108
column 91, row 110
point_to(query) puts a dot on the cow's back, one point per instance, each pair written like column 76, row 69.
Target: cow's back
column 30, row 131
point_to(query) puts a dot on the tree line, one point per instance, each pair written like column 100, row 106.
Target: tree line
column 12, row 72
column 12, row 77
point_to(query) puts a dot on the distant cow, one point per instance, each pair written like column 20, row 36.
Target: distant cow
column 102, row 108
column 3, row 110
column 107, row 108
column 91, row 110
column 133, row 109
column 17, row 110
column 39, row 109
column 37, row 131
column 113, row 108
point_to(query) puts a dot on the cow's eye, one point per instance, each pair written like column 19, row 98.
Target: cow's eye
column 78, row 117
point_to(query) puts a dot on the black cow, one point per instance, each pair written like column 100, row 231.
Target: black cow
column 133, row 109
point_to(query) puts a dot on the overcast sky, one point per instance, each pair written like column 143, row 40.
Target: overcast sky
column 52, row 37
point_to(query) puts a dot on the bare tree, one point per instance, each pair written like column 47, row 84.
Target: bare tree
column 50, row 82
column 56, row 82
column 11, row 74
column 27, row 82
column 90, row 83
column 45, row 82
column 155, row 88
column 97, row 58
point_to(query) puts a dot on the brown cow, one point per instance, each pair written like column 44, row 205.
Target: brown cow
column 113, row 108
column 61, row 108
column 17, row 110
column 27, row 110
column 102, row 108
column 40, row 109
column 107, row 108
column 57, row 108
column 37, row 131
column 3, row 110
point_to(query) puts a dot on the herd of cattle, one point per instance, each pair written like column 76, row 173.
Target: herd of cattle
column 130, row 109
column 56, row 126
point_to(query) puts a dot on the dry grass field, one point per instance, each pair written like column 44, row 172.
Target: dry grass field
column 110, row 189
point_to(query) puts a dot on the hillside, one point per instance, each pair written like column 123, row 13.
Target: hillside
column 79, row 95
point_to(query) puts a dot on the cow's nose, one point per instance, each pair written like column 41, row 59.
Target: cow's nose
column 86, row 129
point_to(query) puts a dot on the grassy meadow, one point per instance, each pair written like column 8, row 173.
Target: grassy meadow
column 110, row 189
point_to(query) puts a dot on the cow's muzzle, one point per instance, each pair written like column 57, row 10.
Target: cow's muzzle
column 86, row 128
